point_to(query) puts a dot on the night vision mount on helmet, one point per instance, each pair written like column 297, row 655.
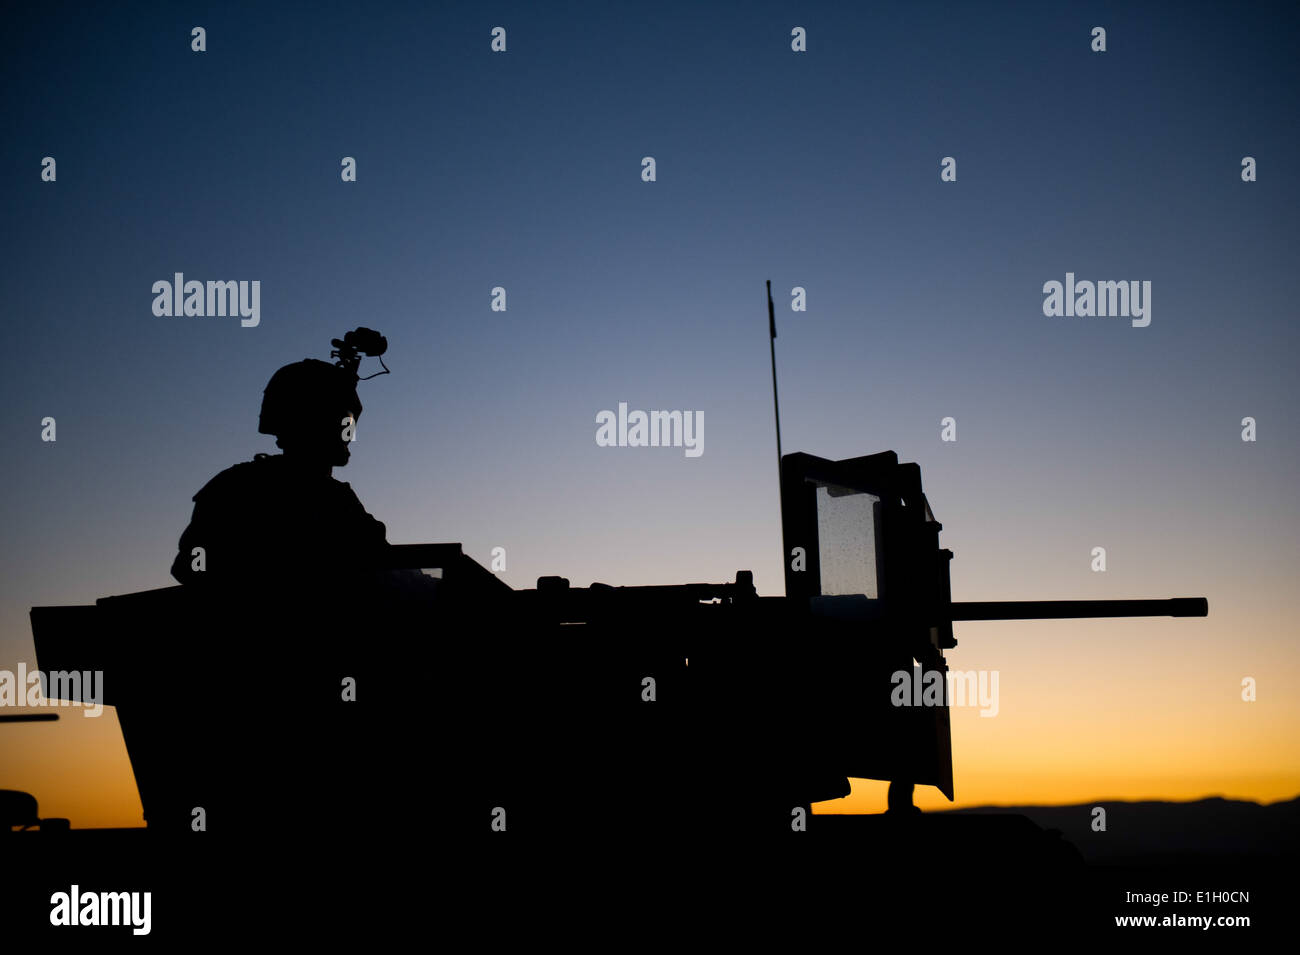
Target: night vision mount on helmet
column 296, row 391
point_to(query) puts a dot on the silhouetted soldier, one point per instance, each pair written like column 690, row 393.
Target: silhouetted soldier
column 284, row 519
column 290, row 597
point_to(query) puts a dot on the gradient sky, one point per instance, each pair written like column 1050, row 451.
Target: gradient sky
column 819, row 170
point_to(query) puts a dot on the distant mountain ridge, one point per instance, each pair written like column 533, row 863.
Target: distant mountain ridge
column 1213, row 829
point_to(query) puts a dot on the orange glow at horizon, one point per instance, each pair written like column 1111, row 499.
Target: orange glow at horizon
column 1087, row 711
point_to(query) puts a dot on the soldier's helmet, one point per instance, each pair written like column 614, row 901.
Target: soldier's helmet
column 298, row 395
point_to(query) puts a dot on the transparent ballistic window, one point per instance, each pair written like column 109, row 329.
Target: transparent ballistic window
column 846, row 541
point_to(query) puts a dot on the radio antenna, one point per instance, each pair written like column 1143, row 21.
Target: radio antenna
column 776, row 402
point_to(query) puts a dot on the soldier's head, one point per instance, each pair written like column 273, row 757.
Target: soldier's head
column 305, row 406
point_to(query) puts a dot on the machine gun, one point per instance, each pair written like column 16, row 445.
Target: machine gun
column 796, row 690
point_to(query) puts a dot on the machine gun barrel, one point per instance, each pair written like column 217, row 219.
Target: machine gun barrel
column 1062, row 609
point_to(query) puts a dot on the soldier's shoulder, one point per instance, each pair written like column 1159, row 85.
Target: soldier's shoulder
column 239, row 477
column 342, row 491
